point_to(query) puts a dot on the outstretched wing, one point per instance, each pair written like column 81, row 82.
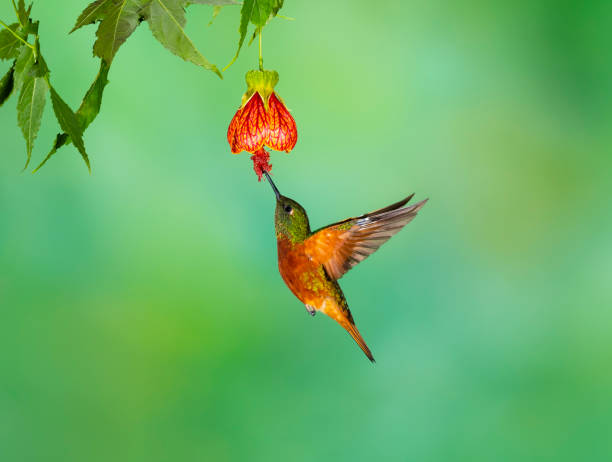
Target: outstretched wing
column 340, row 246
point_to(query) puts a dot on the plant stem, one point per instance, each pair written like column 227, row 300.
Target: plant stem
column 260, row 55
column 19, row 38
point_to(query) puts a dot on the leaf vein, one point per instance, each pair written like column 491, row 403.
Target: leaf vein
column 117, row 25
column 91, row 14
column 30, row 121
column 171, row 16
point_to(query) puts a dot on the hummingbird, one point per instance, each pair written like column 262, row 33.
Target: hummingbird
column 311, row 262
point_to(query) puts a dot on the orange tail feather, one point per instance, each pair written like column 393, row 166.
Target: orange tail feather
column 351, row 329
column 339, row 315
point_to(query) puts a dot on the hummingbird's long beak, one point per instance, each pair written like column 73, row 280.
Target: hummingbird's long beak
column 278, row 194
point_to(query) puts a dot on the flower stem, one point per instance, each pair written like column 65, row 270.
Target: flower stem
column 260, row 55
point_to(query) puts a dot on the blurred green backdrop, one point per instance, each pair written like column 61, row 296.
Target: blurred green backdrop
column 142, row 314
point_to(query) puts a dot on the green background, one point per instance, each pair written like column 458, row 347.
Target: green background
column 142, row 314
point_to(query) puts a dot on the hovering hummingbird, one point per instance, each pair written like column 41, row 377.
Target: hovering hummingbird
column 311, row 263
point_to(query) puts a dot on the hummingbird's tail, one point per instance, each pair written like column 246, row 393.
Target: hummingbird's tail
column 352, row 329
column 343, row 317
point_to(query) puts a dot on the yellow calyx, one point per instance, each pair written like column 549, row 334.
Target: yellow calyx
column 262, row 82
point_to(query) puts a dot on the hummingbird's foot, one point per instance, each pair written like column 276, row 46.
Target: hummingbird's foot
column 311, row 310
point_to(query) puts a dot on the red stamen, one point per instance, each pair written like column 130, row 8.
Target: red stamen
column 261, row 163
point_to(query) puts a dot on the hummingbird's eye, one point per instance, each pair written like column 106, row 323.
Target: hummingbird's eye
column 288, row 209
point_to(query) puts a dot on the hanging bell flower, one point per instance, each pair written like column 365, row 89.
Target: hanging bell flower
column 262, row 119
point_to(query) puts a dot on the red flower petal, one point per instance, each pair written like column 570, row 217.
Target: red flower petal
column 249, row 129
column 261, row 162
column 231, row 132
column 282, row 131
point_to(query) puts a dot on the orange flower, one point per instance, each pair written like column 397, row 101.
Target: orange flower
column 263, row 119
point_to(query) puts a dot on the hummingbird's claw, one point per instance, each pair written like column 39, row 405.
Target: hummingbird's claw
column 311, row 310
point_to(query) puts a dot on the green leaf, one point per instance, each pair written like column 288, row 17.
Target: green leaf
column 22, row 13
column 9, row 44
column 212, row 2
column 89, row 109
column 245, row 17
column 69, row 123
column 254, row 36
column 60, row 140
column 30, row 108
column 7, row 84
column 276, row 6
column 121, row 20
column 257, row 12
column 31, row 28
column 166, row 19
column 23, row 66
column 94, row 12
column 39, row 69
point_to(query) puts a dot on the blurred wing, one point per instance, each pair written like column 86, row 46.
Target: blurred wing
column 340, row 246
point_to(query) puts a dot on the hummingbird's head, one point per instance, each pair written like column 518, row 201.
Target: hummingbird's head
column 290, row 219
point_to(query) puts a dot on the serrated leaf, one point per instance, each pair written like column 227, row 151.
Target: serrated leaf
column 23, row 66
column 60, row 140
column 69, row 123
column 9, row 44
column 7, row 84
column 22, row 13
column 89, row 109
column 30, row 108
column 166, row 19
column 92, row 13
column 31, row 28
column 257, row 12
column 120, row 21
